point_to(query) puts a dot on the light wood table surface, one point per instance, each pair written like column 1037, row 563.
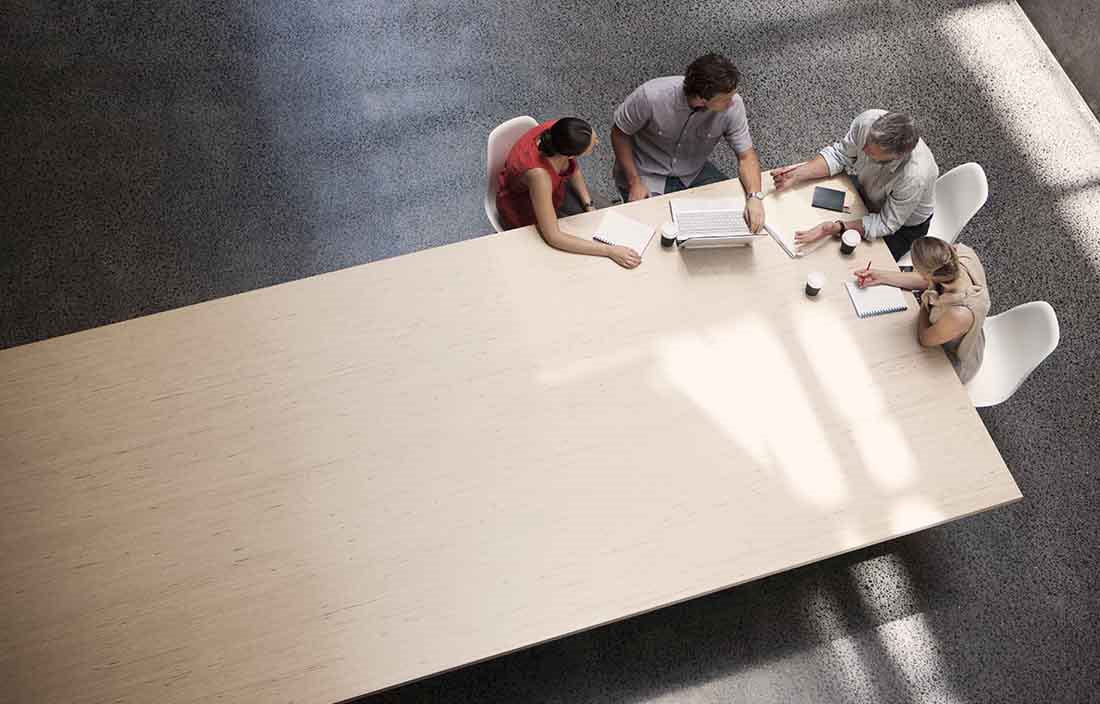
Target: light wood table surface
column 325, row 488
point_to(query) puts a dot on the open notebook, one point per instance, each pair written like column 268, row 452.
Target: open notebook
column 616, row 229
column 875, row 300
column 784, row 239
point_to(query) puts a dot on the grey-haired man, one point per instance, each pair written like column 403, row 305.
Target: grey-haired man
column 894, row 170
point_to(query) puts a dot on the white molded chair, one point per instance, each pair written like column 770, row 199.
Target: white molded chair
column 960, row 193
column 501, row 140
column 1016, row 342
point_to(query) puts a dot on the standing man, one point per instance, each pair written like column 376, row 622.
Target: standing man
column 894, row 170
column 666, row 129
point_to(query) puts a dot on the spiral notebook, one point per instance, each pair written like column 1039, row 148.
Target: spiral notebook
column 616, row 229
column 875, row 300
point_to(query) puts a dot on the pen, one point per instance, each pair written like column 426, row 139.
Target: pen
column 863, row 273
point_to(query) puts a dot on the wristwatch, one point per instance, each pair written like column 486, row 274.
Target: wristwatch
column 759, row 195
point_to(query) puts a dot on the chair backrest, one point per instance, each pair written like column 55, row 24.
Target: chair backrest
column 1016, row 342
column 501, row 140
column 960, row 193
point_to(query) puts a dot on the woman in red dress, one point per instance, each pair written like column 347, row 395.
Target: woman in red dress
column 533, row 186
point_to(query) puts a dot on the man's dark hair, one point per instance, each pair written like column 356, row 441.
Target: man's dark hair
column 568, row 136
column 709, row 75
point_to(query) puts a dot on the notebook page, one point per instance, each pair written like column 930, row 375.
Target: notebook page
column 784, row 238
column 616, row 229
column 875, row 300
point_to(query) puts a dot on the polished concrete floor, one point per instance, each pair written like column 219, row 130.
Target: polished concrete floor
column 161, row 154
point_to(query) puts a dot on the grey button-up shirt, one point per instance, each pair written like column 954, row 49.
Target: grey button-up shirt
column 898, row 192
column 672, row 139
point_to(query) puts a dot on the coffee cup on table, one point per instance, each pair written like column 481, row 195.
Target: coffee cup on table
column 814, row 283
column 669, row 231
column 848, row 241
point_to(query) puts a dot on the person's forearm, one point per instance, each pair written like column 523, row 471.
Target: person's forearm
column 623, row 146
column 546, row 221
column 556, row 238
column 748, row 166
column 836, row 228
column 814, row 169
column 908, row 280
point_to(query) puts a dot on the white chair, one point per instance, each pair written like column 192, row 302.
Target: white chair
column 960, row 193
column 501, row 140
column 1016, row 342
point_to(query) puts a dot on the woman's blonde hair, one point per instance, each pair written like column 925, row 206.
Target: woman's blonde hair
column 937, row 258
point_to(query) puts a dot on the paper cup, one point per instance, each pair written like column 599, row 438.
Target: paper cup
column 669, row 231
column 814, row 283
column 848, row 241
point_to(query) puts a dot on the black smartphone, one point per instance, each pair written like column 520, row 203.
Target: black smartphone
column 829, row 199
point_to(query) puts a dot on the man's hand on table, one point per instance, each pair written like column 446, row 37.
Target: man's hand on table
column 638, row 191
column 803, row 238
column 754, row 214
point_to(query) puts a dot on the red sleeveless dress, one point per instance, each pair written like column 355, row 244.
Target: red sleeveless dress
column 513, row 200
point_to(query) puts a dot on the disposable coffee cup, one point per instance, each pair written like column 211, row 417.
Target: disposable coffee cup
column 848, row 241
column 814, row 282
column 669, row 231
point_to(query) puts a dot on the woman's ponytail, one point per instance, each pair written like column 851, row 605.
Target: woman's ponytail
column 546, row 144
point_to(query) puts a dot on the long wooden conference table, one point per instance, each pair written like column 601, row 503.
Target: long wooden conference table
column 326, row 488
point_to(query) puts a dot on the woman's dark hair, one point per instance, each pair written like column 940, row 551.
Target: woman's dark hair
column 709, row 75
column 569, row 136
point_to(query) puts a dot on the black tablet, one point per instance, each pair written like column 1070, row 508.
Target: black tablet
column 829, row 198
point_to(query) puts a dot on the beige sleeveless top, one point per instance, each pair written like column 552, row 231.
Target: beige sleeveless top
column 964, row 352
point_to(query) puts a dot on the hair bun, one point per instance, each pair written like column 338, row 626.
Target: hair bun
column 546, row 144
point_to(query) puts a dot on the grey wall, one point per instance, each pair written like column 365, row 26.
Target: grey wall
column 1071, row 28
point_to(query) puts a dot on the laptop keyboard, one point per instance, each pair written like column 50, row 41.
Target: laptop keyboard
column 711, row 223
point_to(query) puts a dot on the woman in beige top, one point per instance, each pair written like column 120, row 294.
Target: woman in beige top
column 954, row 303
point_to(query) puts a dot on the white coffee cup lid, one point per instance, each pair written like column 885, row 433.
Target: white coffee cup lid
column 816, row 279
column 669, row 229
column 851, row 238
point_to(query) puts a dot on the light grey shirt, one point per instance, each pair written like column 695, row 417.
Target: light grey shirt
column 672, row 139
column 898, row 192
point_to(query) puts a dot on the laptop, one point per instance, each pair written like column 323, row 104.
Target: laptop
column 711, row 222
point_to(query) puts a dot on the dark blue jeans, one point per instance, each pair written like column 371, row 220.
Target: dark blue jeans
column 902, row 241
column 709, row 174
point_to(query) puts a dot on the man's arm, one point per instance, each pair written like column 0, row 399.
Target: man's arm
column 749, row 172
column 632, row 115
column 623, row 145
column 787, row 176
column 833, row 159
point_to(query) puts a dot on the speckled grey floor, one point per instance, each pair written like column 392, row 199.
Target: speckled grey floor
column 160, row 154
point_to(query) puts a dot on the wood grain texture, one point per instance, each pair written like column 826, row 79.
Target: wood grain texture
column 325, row 488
